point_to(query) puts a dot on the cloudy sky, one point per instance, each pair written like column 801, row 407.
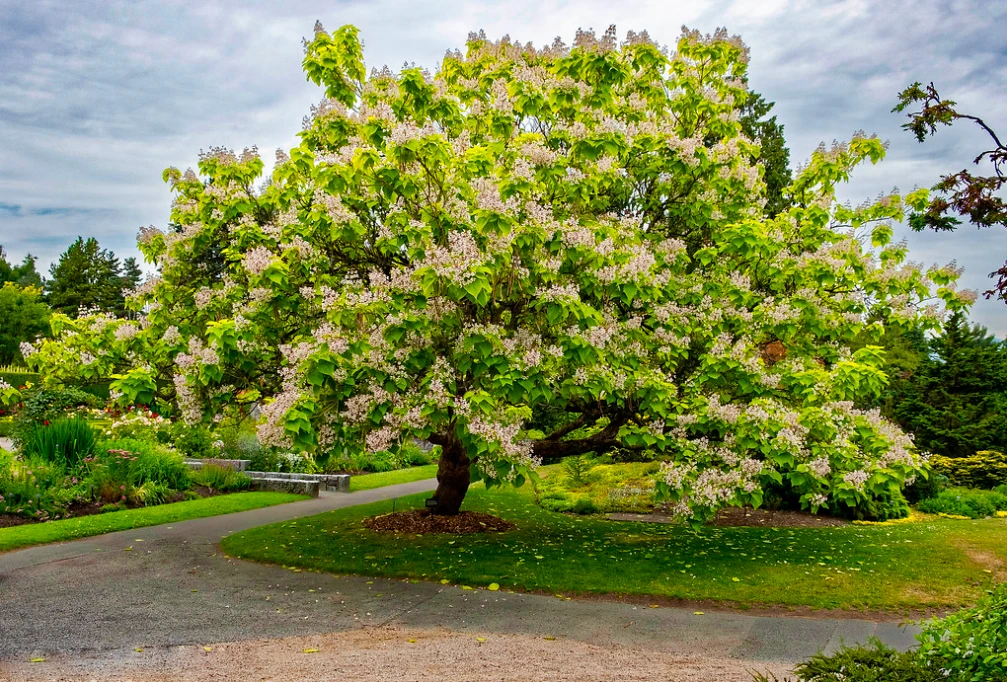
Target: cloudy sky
column 98, row 97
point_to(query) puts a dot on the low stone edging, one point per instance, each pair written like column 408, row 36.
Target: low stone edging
column 236, row 464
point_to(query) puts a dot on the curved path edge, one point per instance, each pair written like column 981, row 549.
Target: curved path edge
column 170, row 585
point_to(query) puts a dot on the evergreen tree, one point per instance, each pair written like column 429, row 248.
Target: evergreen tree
column 24, row 275
column 775, row 156
column 956, row 400
column 86, row 276
column 131, row 273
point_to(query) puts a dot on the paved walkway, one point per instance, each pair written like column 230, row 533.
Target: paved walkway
column 6, row 443
column 91, row 597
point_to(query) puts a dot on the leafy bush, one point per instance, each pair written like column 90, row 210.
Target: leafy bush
column 575, row 503
column 408, row 454
column 975, row 504
column 923, row 488
column 41, row 405
column 194, row 441
column 876, row 503
column 874, row 663
column 65, row 442
column 141, row 424
column 6, row 462
column 285, row 462
column 239, row 444
column 985, row 469
column 883, row 505
column 970, row 644
column 6, row 427
column 220, row 479
column 608, row 487
column 36, row 489
column 141, row 461
column 152, row 493
column 576, row 467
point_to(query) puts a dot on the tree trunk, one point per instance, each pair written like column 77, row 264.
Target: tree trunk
column 452, row 478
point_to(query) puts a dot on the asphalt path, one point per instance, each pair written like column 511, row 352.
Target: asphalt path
column 167, row 586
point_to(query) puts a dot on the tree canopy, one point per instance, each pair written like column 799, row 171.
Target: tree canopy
column 979, row 197
column 774, row 156
column 955, row 399
column 23, row 317
column 577, row 228
column 86, row 277
column 23, row 275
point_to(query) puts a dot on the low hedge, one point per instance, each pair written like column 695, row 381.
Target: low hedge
column 19, row 379
column 985, row 469
column 967, row 502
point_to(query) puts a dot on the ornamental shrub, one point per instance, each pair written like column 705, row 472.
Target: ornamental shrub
column 925, row 487
column 195, row 441
column 984, row 469
column 561, row 501
column 220, row 479
column 571, row 228
column 882, row 506
column 40, row 405
column 37, row 489
column 873, row 663
column 65, row 442
column 148, row 462
column 142, row 425
column 969, row 645
column 975, row 504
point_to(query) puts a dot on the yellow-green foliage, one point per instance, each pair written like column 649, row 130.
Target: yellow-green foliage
column 602, row 488
column 985, row 469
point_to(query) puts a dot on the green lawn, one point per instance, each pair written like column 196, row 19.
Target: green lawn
column 937, row 563
column 86, row 526
column 371, row 481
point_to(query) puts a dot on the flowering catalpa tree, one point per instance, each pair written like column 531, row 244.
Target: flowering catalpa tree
column 579, row 228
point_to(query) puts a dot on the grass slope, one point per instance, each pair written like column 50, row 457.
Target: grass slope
column 86, row 526
column 936, row 563
column 371, row 481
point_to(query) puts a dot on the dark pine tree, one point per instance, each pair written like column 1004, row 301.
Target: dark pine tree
column 757, row 124
column 86, row 276
column 955, row 401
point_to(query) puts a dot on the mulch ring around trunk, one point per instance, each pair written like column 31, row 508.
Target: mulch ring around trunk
column 419, row 521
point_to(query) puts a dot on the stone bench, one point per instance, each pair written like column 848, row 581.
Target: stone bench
column 338, row 483
column 287, row 485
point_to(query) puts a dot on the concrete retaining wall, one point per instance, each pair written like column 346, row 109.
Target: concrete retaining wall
column 287, row 485
column 338, row 483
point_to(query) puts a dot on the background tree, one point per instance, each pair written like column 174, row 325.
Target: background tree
column 774, row 155
column 86, row 276
column 955, row 400
column 24, row 317
column 960, row 194
column 23, row 275
column 581, row 228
